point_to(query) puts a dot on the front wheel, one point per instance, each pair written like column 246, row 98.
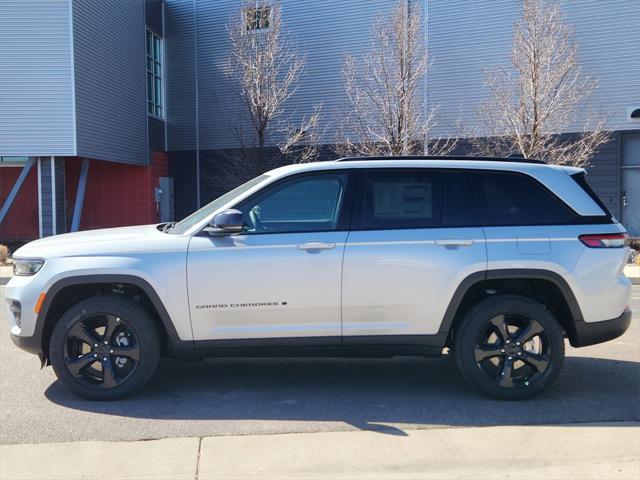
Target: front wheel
column 510, row 347
column 104, row 348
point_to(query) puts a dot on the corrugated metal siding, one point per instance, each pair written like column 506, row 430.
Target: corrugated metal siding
column 110, row 78
column 323, row 32
column 465, row 36
column 180, row 85
column 153, row 15
column 604, row 174
column 36, row 99
column 182, row 167
column 156, row 135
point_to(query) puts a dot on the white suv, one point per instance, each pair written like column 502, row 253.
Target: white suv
column 497, row 260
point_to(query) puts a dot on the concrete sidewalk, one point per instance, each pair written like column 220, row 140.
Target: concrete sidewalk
column 609, row 451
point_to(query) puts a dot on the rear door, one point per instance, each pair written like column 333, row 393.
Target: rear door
column 414, row 238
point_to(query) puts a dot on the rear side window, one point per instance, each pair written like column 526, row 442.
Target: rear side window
column 506, row 199
column 401, row 199
column 458, row 206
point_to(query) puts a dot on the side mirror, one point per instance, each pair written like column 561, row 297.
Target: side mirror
column 227, row 221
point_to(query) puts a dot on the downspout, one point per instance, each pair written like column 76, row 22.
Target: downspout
column 197, row 112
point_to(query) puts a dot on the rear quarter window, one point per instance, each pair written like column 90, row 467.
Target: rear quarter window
column 507, row 198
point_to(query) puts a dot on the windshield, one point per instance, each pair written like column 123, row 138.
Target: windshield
column 199, row 215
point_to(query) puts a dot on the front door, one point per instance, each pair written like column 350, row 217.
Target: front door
column 281, row 278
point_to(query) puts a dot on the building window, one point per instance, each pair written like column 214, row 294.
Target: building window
column 257, row 18
column 154, row 74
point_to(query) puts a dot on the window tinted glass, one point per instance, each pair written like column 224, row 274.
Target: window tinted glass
column 401, row 199
column 303, row 205
column 458, row 208
column 516, row 199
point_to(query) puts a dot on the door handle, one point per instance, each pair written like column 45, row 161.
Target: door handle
column 316, row 246
column 454, row 242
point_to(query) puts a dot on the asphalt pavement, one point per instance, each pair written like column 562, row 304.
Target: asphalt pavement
column 231, row 397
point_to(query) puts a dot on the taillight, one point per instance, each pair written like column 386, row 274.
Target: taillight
column 604, row 240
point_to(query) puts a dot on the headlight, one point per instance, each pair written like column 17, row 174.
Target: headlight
column 26, row 267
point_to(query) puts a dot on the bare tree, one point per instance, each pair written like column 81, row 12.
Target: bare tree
column 386, row 113
column 301, row 144
column 540, row 95
column 265, row 67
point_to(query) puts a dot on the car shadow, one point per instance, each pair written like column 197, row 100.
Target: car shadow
column 367, row 393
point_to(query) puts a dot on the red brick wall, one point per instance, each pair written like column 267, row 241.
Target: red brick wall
column 21, row 222
column 116, row 194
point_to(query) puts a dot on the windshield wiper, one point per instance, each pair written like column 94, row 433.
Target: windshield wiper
column 168, row 226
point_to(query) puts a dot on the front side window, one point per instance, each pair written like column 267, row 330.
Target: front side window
column 307, row 204
column 257, row 18
column 506, row 199
column 154, row 75
column 400, row 199
column 196, row 217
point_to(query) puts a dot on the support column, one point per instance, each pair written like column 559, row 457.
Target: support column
column 82, row 186
column 51, row 196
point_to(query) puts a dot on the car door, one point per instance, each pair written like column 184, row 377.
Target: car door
column 414, row 238
column 280, row 278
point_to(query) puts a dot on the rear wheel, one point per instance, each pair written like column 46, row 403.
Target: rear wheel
column 104, row 348
column 510, row 347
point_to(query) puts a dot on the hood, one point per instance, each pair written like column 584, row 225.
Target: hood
column 99, row 242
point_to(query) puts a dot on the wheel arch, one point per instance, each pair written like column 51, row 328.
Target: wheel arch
column 68, row 291
column 545, row 286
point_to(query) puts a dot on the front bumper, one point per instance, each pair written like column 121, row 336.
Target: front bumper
column 590, row 333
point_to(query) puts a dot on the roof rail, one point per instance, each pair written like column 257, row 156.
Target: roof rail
column 515, row 159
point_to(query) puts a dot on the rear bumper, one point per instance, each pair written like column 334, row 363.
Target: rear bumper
column 590, row 333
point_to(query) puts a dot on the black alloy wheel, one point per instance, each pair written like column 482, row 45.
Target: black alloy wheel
column 102, row 351
column 510, row 347
column 105, row 347
column 513, row 351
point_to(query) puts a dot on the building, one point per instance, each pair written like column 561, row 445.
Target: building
column 116, row 113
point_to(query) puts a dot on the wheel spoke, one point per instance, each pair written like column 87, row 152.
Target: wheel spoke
column 109, row 379
column 110, row 328
column 130, row 352
column 505, row 375
column 487, row 351
column 499, row 323
column 539, row 362
column 77, row 365
column 530, row 331
column 83, row 334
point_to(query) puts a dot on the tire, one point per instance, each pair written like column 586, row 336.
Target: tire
column 87, row 339
column 509, row 347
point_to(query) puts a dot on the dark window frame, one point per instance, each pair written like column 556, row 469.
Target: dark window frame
column 577, row 219
column 254, row 19
column 357, row 220
column 346, row 207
